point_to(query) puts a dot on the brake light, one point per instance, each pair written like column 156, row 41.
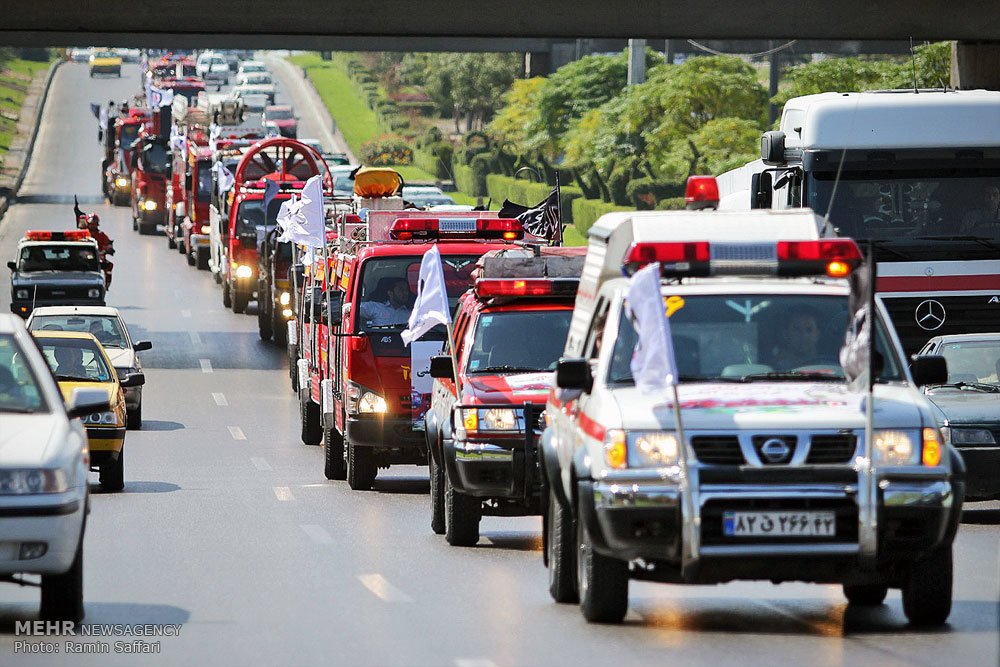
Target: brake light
column 701, row 192
column 407, row 229
column 644, row 253
column 508, row 229
column 486, row 287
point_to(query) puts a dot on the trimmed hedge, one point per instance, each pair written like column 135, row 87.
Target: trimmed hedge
column 465, row 180
column 587, row 211
column 527, row 193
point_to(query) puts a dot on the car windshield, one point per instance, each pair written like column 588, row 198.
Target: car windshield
column 154, row 158
column 106, row 328
column 204, row 190
column 251, row 215
column 75, row 360
column 78, row 257
column 753, row 337
column 389, row 286
column 19, row 388
column 972, row 361
column 129, row 134
column 518, row 341
column 343, row 184
column 280, row 114
column 258, row 79
column 909, row 205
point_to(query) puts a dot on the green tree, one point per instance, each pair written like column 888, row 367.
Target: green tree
column 472, row 84
column 518, row 125
column 933, row 65
column 717, row 146
column 842, row 75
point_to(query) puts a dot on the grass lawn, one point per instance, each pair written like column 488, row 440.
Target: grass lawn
column 15, row 77
column 573, row 237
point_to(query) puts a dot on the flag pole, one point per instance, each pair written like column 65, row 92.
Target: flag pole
column 870, row 526
column 559, row 208
column 454, row 362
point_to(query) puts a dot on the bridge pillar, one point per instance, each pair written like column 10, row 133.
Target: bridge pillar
column 975, row 65
column 536, row 63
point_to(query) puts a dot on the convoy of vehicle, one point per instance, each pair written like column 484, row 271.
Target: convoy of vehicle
column 55, row 268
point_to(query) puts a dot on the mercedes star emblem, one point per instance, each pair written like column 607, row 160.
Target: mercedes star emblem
column 930, row 314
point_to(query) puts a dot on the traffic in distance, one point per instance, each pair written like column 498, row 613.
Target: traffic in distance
column 794, row 379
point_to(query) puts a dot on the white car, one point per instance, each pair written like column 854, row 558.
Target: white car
column 43, row 474
column 248, row 66
column 108, row 326
column 213, row 67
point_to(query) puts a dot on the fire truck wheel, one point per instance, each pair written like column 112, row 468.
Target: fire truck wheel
column 927, row 589
column 334, row 465
column 437, row 496
column 279, row 330
column 202, row 261
column 361, row 467
column 183, row 249
column 264, row 323
column 135, row 223
column 560, row 549
column 865, row 595
column 112, row 473
column 312, row 427
column 62, row 594
column 227, row 297
column 171, row 241
column 602, row 581
column 240, row 300
column 461, row 516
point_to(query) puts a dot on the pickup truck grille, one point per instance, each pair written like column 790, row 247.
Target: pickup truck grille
column 832, row 448
column 718, row 449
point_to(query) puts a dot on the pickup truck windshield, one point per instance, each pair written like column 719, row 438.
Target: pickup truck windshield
column 748, row 337
column 55, row 257
column 518, row 341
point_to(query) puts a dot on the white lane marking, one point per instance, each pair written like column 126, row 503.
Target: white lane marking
column 474, row 662
column 206, row 365
column 260, row 464
column 195, row 337
column 185, row 313
column 220, row 399
column 382, row 589
column 283, row 493
column 317, row 533
column 308, row 486
column 237, row 433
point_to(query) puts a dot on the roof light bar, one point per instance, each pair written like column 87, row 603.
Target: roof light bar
column 489, row 287
column 701, row 192
column 411, row 229
column 47, row 235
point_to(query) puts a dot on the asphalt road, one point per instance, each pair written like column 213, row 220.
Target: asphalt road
column 228, row 527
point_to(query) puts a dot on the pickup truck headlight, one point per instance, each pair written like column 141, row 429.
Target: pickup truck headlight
column 483, row 420
column 17, row 482
column 640, row 449
column 94, row 293
column 894, row 448
column 21, row 294
column 957, row 435
column 101, row 419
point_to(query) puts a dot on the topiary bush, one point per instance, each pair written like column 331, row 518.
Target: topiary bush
column 386, row 150
column 587, row 211
column 645, row 193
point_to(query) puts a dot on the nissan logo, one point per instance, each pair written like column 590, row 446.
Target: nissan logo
column 774, row 450
column 930, row 314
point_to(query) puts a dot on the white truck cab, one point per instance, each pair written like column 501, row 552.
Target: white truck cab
column 766, row 476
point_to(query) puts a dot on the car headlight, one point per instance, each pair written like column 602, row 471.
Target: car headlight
column 21, row 294
column 94, row 293
column 364, row 401
column 205, row 229
column 149, row 205
column 653, row 449
column 968, row 436
column 894, row 448
column 16, row 482
column 121, row 182
column 287, row 313
column 284, row 298
column 243, row 271
column 101, row 419
column 488, row 419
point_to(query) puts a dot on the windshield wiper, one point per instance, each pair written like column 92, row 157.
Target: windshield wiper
column 982, row 240
column 792, row 375
column 682, row 378
column 74, row 378
column 385, row 326
column 981, row 386
column 509, row 369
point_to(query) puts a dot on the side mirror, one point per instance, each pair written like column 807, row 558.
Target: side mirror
column 142, row 345
column 928, row 369
column 133, row 380
column 761, row 190
column 772, row 147
column 85, row 402
column 574, row 374
column 441, row 367
column 335, row 306
column 12, row 266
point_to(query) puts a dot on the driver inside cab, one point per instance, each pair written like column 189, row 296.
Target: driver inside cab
column 392, row 303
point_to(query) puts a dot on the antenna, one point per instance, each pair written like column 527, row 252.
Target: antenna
column 913, row 62
column 840, row 167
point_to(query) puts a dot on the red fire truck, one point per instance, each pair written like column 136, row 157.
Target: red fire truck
column 151, row 173
column 360, row 388
column 118, row 171
column 290, row 164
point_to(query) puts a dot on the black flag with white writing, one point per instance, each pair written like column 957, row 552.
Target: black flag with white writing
column 541, row 221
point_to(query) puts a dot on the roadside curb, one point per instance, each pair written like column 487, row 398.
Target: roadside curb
column 11, row 193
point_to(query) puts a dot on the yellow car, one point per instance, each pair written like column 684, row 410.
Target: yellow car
column 105, row 61
column 77, row 361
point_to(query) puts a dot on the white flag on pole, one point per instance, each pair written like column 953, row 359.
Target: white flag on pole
column 431, row 307
column 283, row 217
column 303, row 221
column 102, row 119
column 224, row 178
column 158, row 97
column 653, row 365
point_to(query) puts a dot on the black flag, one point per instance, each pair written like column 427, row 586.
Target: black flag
column 77, row 213
column 858, row 357
column 96, row 110
column 541, row 221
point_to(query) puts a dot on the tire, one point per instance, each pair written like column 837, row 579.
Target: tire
column 135, row 223
column 133, row 420
column 293, row 374
column 171, row 241
column 189, row 256
column 461, row 516
column 927, row 589
column 561, row 551
column 264, row 324
column 437, row 496
column 869, row 595
column 240, row 300
column 361, row 468
column 279, row 330
column 334, row 466
column 202, row 260
column 62, row 594
column 227, row 297
column 312, row 427
column 602, row 581
column 112, row 473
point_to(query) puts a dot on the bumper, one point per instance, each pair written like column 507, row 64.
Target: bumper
column 105, row 69
column 493, row 469
column 395, row 435
column 156, row 216
column 105, row 443
column 200, row 241
column 982, row 477
column 56, row 522
column 646, row 519
column 24, row 308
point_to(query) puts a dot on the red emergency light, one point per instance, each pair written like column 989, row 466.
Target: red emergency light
column 47, row 235
column 701, row 192
column 490, row 287
column 830, row 257
column 412, row 229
